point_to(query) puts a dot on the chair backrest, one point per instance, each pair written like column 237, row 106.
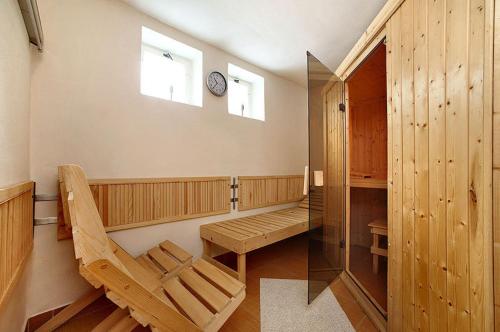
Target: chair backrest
column 89, row 237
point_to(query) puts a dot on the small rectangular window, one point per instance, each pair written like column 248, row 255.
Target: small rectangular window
column 245, row 93
column 170, row 70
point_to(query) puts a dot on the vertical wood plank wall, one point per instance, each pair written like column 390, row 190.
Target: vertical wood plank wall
column 496, row 166
column 439, row 55
column 260, row 191
column 129, row 203
column 333, row 196
column 16, row 233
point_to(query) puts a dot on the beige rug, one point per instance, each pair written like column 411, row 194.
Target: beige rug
column 283, row 307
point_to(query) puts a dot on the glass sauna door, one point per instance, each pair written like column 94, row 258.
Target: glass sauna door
column 326, row 176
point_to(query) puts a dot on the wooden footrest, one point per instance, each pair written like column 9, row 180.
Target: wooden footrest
column 165, row 260
column 203, row 292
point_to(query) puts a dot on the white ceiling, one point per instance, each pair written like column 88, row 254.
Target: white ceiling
column 272, row 34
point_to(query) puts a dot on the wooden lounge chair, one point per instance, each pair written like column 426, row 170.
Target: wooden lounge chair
column 162, row 289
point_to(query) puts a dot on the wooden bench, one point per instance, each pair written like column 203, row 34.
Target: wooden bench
column 162, row 289
column 378, row 228
column 243, row 235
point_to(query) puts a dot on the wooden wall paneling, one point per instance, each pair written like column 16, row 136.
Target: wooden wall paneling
column 408, row 162
column 451, row 84
column 496, row 137
column 496, row 246
column 338, row 173
column 16, row 234
column 261, row 191
column 333, row 172
column 421, row 130
column 129, row 203
column 395, row 319
column 390, row 188
column 438, row 306
column 347, row 176
column 477, row 122
column 457, row 165
column 496, row 158
column 368, row 138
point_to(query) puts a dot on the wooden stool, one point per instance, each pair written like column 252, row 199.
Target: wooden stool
column 377, row 228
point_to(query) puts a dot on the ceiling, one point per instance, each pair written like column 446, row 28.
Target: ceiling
column 272, row 34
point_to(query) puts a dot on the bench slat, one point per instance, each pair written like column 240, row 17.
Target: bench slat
column 238, row 230
column 167, row 262
column 266, row 223
column 214, row 297
column 176, row 251
column 221, row 279
column 149, row 265
column 226, row 232
column 235, row 223
column 196, row 311
column 277, row 220
column 241, row 223
column 264, row 226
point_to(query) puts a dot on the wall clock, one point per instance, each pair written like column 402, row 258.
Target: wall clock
column 217, row 84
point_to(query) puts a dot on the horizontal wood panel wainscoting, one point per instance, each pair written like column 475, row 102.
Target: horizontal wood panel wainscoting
column 16, row 234
column 261, row 191
column 130, row 203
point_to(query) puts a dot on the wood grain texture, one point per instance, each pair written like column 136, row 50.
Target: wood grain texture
column 16, row 234
column 395, row 260
column 130, row 203
column 157, row 299
column 260, row 191
column 440, row 149
column 368, row 120
column 333, row 197
column 496, row 162
column 438, row 306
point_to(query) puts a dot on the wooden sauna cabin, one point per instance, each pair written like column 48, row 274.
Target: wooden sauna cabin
column 414, row 100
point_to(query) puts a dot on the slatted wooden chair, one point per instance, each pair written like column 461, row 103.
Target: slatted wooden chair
column 162, row 289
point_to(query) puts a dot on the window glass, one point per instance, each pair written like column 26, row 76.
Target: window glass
column 245, row 93
column 170, row 70
column 239, row 97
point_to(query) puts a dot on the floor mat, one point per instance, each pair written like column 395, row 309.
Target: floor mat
column 283, row 307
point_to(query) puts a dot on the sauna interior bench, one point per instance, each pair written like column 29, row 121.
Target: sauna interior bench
column 249, row 233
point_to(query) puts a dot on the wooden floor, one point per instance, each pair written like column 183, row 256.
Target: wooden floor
column 361, row 268
column 284, row 260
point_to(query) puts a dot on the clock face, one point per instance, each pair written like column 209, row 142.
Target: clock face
column 216, row 83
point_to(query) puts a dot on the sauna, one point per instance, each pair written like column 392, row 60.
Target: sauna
column 216, row 166
column 366, row 220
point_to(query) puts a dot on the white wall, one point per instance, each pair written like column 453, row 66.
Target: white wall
column 14, row 95
column 87, row 106
column 14, row 130
column 87, row 109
